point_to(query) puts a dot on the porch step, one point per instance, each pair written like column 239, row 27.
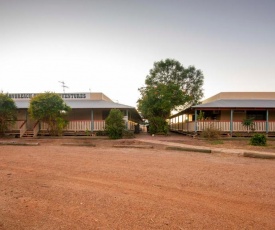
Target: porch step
column 28, row 133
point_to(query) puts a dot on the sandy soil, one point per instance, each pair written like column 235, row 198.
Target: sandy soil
column 54, row 186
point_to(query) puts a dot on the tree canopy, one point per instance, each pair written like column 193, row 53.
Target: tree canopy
column 8, row 112
column 49, row 108
column 168, row 87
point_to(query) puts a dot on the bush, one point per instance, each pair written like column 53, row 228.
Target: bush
column 128, row 134
column 101, row 133
column 258, row 140
column 8, row 112
column 115, row 124
column 211, row 133
column 158, row 125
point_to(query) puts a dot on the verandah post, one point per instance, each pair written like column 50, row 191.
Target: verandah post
column 231, row 122
column 266, row 125
column 92, row 120
column 196, row 117
column 182, row 122
column 127, row 115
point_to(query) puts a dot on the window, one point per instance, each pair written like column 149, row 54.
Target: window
column 256, row 115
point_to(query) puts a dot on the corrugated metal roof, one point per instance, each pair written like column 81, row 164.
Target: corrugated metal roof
column 83, row 104
column 97, row 105
column 238, row 103
column 89, row 104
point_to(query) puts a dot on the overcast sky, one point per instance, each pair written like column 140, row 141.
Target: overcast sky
column 110, row 46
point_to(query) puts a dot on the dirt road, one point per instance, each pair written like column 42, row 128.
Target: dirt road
column 78, row 187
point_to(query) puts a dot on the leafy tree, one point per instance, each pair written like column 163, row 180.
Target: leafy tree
column 114, row 124
column 8, row 112
column 169, row 86
column 49, row 108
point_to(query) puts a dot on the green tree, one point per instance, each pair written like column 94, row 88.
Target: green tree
column 169, row 86
column 50, row 108
column 114, row 124
column 8, row 112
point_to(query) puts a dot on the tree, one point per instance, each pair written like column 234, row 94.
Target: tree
column 114, row 124
column 169, row 86
column 8, row 112
column 49, row 108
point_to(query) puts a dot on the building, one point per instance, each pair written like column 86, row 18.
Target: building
column 89, row 111
column 226, row 112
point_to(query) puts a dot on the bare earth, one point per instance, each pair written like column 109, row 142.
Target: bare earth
column 54, row 186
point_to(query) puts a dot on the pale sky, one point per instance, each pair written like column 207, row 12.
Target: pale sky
column 110, row 46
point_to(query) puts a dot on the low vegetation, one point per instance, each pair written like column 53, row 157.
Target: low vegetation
column 211, row 133
column 258, row 140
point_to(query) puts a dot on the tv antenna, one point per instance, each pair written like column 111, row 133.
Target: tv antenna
column 63, row 85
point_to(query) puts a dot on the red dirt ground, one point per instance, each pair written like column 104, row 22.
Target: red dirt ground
column 54, row 186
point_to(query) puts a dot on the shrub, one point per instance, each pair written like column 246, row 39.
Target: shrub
column 211, row 133
column 128, row 134
column 258, row 140
column 249, row 124
column 101, row 133
column 158, row 125
column 115, row 124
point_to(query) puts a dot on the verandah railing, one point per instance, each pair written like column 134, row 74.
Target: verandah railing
column 20, row 126
column 86, row 125
column 237, row 126
column 17, row 125
column 79, row 125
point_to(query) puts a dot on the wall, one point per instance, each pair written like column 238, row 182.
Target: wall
column 271, row 115
column 239, row 115
column 99, row 97
column 22, row 114
column 85, row 114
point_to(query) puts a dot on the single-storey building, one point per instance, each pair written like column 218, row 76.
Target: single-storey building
column 88, row 114
column 226, row 111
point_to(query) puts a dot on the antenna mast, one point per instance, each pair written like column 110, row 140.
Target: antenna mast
column 63, row 85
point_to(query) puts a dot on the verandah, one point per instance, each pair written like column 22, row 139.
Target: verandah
column 224, row 126
column 20, row 126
